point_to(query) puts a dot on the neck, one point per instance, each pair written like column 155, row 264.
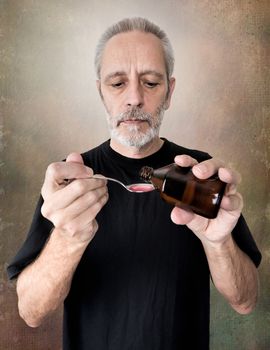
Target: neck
column 134, row 152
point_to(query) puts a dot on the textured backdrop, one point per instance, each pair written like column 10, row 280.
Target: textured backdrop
column 50, row 107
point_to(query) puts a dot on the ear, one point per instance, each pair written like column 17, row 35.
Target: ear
column 170, row 92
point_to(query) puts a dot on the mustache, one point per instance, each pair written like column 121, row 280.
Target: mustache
column 134, row 114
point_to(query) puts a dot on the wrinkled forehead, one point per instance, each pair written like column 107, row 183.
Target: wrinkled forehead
column 133, row 51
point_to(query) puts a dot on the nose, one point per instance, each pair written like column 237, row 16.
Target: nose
column 134, row 96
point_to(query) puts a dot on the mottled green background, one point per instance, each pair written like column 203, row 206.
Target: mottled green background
column 49, row 107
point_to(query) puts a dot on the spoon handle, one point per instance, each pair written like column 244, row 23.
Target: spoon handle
column 96, row 176
column 134, row 188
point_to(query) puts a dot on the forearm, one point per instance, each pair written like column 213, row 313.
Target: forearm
column 234, row 275
column 45, row 283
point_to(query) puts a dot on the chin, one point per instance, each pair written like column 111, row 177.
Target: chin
column 137, row 140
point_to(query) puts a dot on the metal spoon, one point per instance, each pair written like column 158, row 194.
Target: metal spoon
column 135, row 188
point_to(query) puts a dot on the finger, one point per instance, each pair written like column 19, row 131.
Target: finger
column 207, row 168
column 180, row 216
column 75, row 158
column 58, row 172
column 79, row 206
column 68, row 194
column 229, row 176
column 82, row 204
column 86, row 218
column 232, row 202
column 185, row 160
column 194, row 222
column 231, row 189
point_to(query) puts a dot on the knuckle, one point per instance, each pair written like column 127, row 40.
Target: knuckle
column 45, row 211
column 46, row 191
column 105, row 198
column 52, row 169
column 101, row 202
column 79, row 186
column 93, row 226
column 48, row 212
column 91, row 172
column 71, row 228
column 94, row 196
column 98, row 206
column 58, row 221
column 81, row 230
column 43, row 191
column 98, row 195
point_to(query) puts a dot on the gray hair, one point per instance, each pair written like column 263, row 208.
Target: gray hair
column 129, row 25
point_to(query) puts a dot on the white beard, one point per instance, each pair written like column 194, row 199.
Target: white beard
column 132, row 136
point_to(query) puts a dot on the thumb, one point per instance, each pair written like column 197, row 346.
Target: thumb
column 75, row 158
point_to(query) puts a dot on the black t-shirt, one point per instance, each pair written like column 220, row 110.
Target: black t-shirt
column 143, row 282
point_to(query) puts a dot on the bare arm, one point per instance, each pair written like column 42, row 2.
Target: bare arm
column 233, row 273
column 44, row 284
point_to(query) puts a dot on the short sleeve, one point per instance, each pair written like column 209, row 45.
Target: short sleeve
column 38, row 234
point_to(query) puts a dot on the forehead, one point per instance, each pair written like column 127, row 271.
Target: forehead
column 133, row 50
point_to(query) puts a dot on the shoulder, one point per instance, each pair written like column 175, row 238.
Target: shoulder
column 92, row 156
column 194, row 153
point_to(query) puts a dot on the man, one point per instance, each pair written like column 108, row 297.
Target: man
column 132, row 271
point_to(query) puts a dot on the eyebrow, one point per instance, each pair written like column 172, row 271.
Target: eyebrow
column 154, row 73
column 114, row 75
column 122, row 73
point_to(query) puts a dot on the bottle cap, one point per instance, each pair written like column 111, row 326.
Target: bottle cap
column 146, row 173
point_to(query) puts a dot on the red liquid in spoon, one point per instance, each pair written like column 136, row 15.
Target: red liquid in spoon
column 141, row 188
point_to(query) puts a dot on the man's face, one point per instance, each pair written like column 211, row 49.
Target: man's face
column 134, row 87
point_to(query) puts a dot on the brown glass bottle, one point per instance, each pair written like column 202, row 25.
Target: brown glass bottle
column 178, row 186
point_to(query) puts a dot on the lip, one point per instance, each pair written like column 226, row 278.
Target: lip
column 132, row 121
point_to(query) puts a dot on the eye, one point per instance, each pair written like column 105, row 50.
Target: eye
column 150, row 84
column 117, row 85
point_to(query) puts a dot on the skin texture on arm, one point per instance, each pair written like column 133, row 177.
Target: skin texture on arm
column 233, row 273
column 72, row 208
column 44, row 284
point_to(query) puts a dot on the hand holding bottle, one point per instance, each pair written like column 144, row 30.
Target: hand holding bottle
column 219, row 229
